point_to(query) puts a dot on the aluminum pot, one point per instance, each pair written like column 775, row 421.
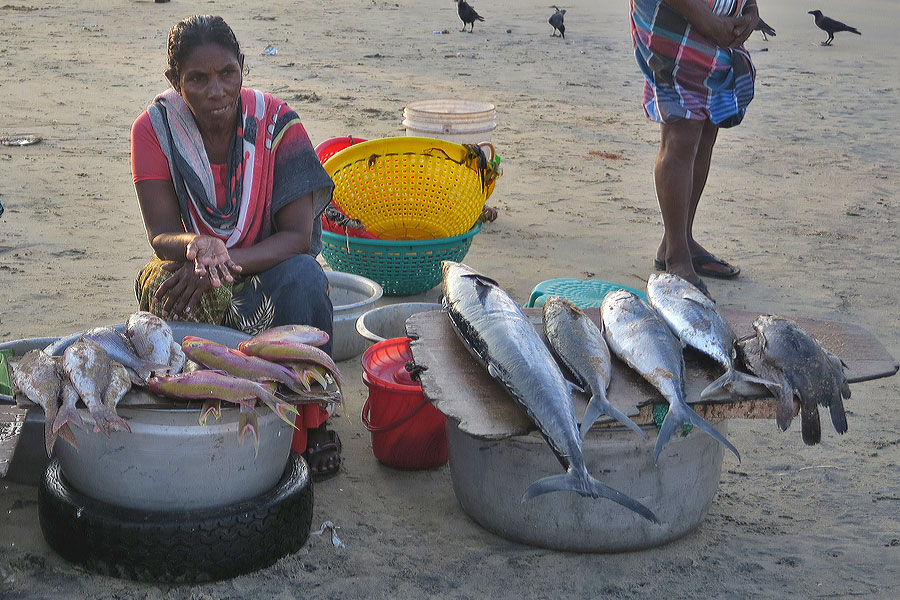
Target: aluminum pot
column 351, row 295
column 489, row 478
column 169, row 461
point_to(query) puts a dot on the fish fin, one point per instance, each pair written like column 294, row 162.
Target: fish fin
column 588, row 487
column 281, row 408
column 682, row 414
column 784, row 409
column 67, row 415
column 574, row 387
column 107, row 421
column 736, row 385
column 66, row 433
column 210, row 407
column 838, row 416
column 811, row 427
column 248, row 423
column 50, row 414
column 480, row 279
column 599, row 405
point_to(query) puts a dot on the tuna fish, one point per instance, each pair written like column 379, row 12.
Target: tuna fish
column 693, row 318
column 643, row 341
column 579, row 343
column 500, row 337
column 90, row 370
column 784, row 352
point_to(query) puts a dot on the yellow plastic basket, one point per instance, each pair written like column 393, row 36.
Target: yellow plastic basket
column 411, row 188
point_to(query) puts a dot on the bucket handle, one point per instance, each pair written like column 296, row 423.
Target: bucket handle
column 366, row 417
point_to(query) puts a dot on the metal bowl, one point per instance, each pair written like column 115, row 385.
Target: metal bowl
column 351, row 295
column 389, row 321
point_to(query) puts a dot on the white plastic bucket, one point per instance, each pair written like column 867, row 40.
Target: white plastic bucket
column 459, row 121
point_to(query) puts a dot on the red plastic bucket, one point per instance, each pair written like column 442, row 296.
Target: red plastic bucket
column 408, row 432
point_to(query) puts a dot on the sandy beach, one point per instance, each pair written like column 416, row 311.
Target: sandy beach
column 802, row 196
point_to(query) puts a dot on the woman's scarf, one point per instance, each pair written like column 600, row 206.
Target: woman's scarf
column 246, row 215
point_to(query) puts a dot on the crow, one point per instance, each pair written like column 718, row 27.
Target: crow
column 556, row 19
column 830, row 26
column 765, row 29
column 467, row 14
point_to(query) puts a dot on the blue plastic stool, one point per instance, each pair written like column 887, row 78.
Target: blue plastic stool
column 584, row 293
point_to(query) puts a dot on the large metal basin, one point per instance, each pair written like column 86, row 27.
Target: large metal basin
column 169, row 461
column 489, row 478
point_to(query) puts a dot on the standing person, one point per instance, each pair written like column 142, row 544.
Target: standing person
column 698, row 78
column 230, row 189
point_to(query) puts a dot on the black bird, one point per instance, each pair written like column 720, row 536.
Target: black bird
column 765, row 29
column 830, row 26
column 467, row 14
column 556, row 19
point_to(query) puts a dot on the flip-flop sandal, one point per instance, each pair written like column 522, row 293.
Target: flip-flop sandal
column 659, row 265
column 706, row 259
column 332, row 445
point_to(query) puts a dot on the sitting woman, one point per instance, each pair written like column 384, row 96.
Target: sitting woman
column 231, row 189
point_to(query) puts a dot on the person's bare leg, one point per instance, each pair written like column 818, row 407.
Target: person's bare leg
column 702, row 160
column 674, row 174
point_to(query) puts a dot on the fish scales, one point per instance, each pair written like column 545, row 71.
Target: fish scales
column 694, row 319
column 579, row 343
column 643, row 341
column 501, row 338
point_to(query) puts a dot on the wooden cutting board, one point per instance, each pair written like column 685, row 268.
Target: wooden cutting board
column 461, row 389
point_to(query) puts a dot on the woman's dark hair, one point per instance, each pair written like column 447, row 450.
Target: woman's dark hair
column 193, row 32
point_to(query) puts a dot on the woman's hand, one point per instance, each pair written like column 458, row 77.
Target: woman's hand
column 180, row 294
column 211, row 259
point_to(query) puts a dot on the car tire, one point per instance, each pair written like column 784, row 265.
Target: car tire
column 177, row 546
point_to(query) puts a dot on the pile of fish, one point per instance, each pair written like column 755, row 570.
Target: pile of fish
column 650, row 339
column 101, row 366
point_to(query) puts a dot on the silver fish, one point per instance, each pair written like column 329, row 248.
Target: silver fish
column 784, row 352
column 693, row 318
column 579, row 343
column 501, row 338
column 91, row 373
column 153, row 340
column 120, row 349
column 643, row 341
column 37, row 376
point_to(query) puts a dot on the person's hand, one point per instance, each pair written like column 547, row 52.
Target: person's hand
column 211, row 259
column 721, row 31
column 180, row 294
column 744, row 25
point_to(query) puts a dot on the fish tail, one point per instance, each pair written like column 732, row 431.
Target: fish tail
column 811, row 427
column 284, row 410
column 210, row 407
column 65, row 432
column 49, row 435
column 599, row 405
column 682, row 414
column 586, row 486
column 838, row 416
column 67, row 414
column 107, row 421
column 248, row 423
column 736, row 384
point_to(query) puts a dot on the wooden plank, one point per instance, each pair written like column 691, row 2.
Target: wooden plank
column 463, row 390
column 12, row 419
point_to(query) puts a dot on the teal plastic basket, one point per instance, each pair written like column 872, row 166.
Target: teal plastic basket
column 402, row 268
column 584, row 293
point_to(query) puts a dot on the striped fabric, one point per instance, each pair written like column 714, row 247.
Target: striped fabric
column 726, row 8
column 685, row 75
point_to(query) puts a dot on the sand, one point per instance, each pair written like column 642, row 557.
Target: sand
column 802, row 197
